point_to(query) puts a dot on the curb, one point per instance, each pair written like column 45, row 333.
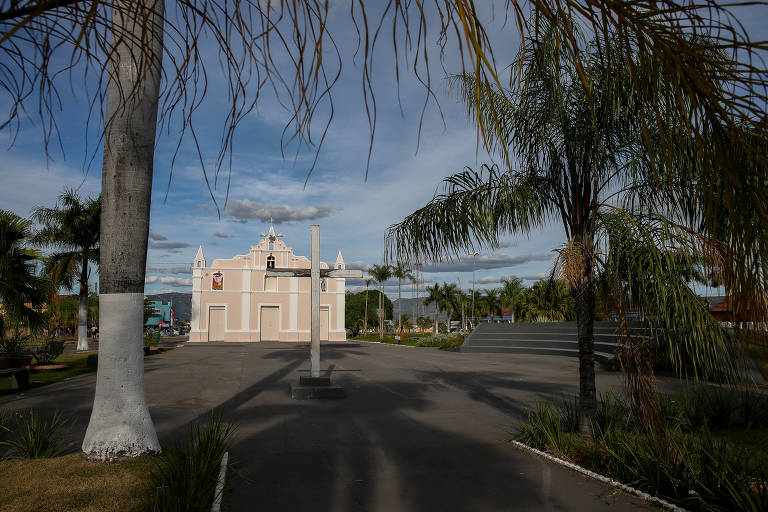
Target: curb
column 216, row 506
column 390, row 344
column 615, row 483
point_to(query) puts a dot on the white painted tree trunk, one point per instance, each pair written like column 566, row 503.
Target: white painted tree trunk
column 120, row 424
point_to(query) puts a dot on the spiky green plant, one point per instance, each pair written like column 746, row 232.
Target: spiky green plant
column 185, row 476
column 35, row 434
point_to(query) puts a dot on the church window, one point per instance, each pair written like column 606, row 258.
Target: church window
column 270, row 261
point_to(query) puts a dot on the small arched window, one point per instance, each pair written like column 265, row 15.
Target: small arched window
column 270, row 261
column 323, row 285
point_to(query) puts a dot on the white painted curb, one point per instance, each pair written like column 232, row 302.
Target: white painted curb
column 391, row 344
column 216, row 507
column 631, row 490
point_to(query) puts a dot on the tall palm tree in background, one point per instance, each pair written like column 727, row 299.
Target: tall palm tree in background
column 434, row 296
column 368, row 283
column 448, row 302
column 22, row 291
column 511, row 290
column 71, row 228
column 400, row 271
column 380, row 273
column 583, row 161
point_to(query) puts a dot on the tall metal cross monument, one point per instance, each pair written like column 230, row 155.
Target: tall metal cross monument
column 315, row 273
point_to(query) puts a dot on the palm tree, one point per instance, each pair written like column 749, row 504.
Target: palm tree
column 582, row 157
column 368, row 283
column 434, row 296
column 548, row 300
column 403, row 319
column 492, row 302
column 511, row 290
column 120, row 423
column 380, row 273
column 400, row 271
column 72, row 229
column 22, row 291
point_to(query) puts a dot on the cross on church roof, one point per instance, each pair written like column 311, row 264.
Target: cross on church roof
column 271, row 234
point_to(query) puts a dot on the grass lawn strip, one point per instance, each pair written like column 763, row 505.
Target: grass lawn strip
column 631, row 490
column 77, row 364
column 443, row 341
column 71, row 482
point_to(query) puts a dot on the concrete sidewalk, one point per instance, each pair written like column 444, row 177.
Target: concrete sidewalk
column 421, row 429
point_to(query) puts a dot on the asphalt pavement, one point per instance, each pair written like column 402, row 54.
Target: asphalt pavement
column 420, row 429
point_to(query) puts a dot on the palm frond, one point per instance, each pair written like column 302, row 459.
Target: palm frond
column 647, row 256
column 470, row 213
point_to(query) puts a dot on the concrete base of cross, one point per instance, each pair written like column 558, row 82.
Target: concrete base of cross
column 316, row 388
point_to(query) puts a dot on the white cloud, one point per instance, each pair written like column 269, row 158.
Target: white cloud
column 487, row 262
column 168, row 245
column 180, row 269
column 244, row 209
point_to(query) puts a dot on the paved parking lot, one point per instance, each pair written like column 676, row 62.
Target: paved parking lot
column 421, row 429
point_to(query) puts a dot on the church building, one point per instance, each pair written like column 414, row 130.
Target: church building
column 234, row 300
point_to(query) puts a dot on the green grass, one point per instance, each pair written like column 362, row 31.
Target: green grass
column 76, row 365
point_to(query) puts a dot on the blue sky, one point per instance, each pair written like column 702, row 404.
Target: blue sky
column 353, row 213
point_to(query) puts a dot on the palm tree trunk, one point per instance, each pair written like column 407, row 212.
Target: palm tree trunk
column 584, row 299
column 120, row 424
column 365, row 320
column 82, row 312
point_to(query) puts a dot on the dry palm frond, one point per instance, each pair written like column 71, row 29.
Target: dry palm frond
column 571, row 263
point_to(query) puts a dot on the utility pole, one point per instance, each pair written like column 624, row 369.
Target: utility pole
column 315, row 288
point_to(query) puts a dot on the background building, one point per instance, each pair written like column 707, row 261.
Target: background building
column 162, row 315
column 234, row 300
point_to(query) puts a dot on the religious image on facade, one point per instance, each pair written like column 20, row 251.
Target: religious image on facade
column 234, row 299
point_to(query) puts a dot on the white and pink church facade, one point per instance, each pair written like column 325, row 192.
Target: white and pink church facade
column 234, row 300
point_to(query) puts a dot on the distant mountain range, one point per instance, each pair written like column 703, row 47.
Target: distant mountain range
column 410, row 306
column 182, row 303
